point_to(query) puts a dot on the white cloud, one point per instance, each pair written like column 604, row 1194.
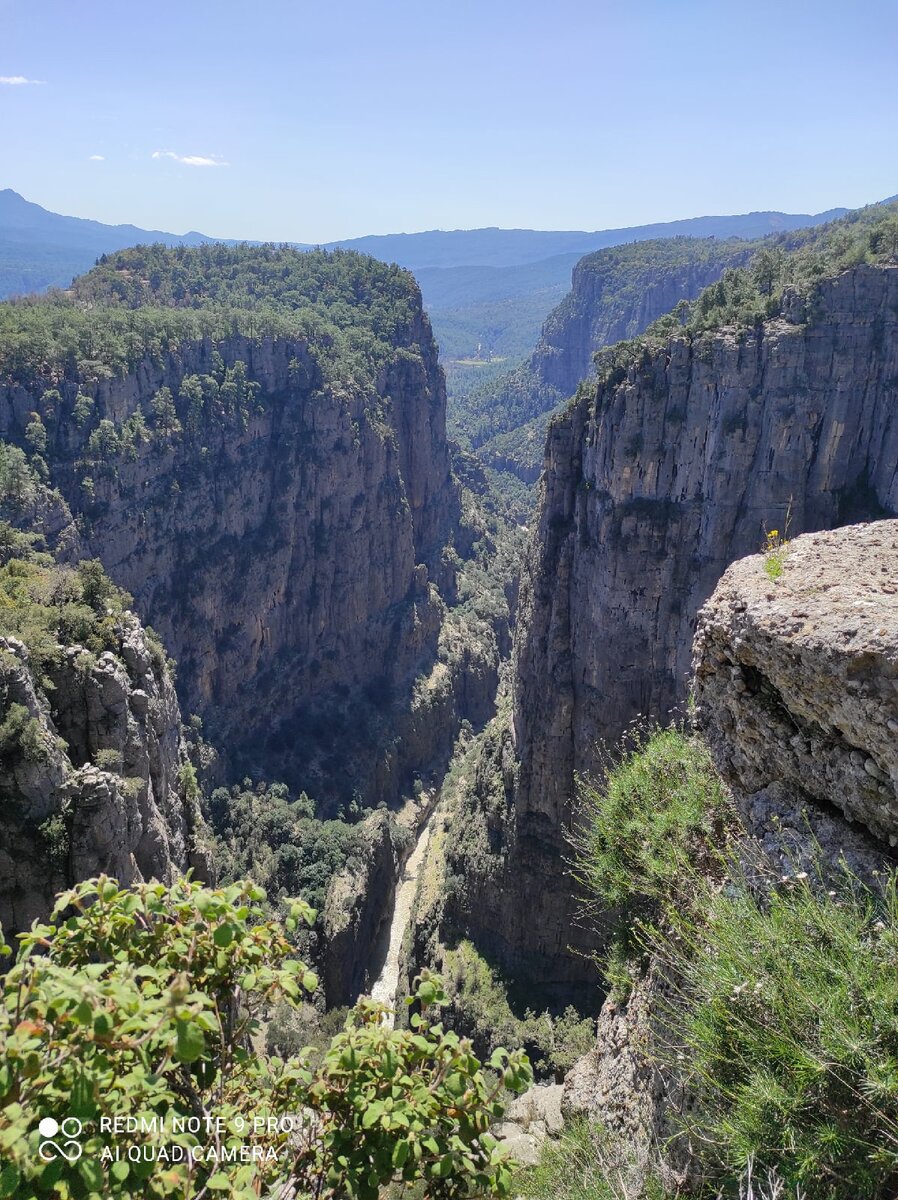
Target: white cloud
column 96, row 158
column 17, row 80
column 191, row 160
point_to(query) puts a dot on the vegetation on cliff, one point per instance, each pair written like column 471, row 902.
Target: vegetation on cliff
column 780, row 279
column 142, row 1004
column 263, row 834
column 780, row 1021
column 610, row 298
column 144, row 301
column 642, row 832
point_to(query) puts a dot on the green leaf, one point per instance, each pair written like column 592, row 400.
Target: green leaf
column 83, row 1013
column 119, row 1171
column 190, row 1042
column 9, row 1180
column 372, row 1114
column 223, row 935
column 91, row 1172
column 219, row 1182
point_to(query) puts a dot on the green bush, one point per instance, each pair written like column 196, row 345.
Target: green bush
column 480, row 1007
column 661, row 812
column 580, row 1166
column 144, row 1003
column 787, row 1019
column 49, row 606
column 262, row 833
column 20, row 733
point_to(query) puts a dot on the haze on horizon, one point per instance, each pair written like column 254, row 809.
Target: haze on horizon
column 301, row 122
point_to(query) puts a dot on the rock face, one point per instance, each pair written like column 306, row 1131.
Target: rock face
column 90, row 782
column 796, row 689
column 357, row 900
column 289, row 559
column 616, row 294
column 621, row 1086
column 653, row 484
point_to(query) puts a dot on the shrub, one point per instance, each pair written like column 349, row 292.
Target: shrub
column 660, row 812
column 48, row 606
column 143, row 1004
column 109, row 760
column 788, row 1018
column 261, row 832
column 580, row 1166
column 20, row 733
column 481, row 1008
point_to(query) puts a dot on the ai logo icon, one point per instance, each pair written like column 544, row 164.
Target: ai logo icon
column 70, row 1129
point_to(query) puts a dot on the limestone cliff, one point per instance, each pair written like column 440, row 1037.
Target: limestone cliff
column 796, row 693
column 287, row 543
column 354, row 910
column 655, row 480
column 796, row 690
column 615, row 294
column 90, row 772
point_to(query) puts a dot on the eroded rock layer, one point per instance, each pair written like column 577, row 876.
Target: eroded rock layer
column 92, row 780
column 796, row 685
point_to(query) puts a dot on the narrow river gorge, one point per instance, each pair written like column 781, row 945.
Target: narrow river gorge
column 389, row 944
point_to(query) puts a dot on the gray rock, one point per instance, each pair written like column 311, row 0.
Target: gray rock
column 64, row 817
column 808, row 741
column 539, row 1105
column 653, row 484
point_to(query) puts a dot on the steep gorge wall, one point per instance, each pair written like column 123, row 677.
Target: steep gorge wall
column 598, row 311
column 652, row 485
column 290, row 558
column 91, row 773
column 615, row 294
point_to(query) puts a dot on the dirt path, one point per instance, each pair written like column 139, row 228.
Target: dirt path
column 385, row 986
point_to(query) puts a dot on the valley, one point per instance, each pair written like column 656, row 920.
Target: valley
column 522, row 693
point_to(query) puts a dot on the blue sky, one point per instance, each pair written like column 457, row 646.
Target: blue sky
column 311, row 122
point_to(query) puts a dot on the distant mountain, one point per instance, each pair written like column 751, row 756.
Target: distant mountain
column 41, row 249
column 24, row 221
column 512, row 247
column 488, row 291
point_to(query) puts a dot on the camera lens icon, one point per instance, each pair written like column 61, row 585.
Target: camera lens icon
column 69, row 1128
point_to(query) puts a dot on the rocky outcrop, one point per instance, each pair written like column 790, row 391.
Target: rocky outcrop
column 358, row 902
column 290, row 554
column 90, row 774
column 796, row 691
column 529, row 1120
column 654, row 481
column 623, row 1088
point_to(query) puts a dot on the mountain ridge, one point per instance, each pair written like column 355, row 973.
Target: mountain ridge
column 439, row 249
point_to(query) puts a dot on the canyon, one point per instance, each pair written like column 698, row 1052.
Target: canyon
column 656, row 477
column 355, row 613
